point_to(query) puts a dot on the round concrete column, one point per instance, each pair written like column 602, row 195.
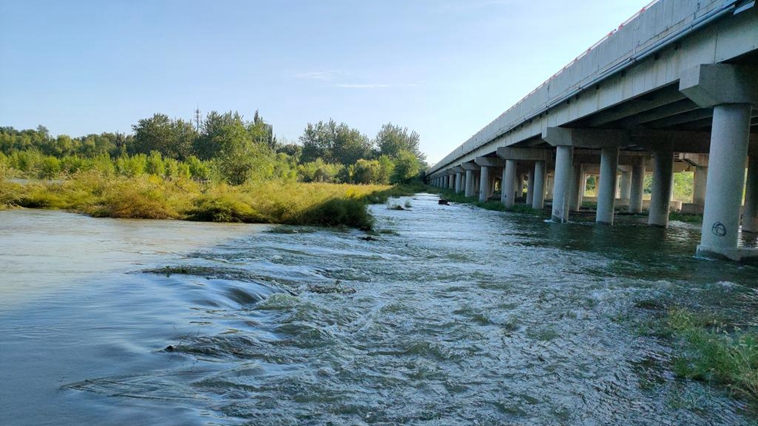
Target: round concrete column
column 458, row 182
column 469, row 183
column 699, row 183
column 549, row 184
column 538, row 199
column 530, row 187
column 750, row 213
column 606, row 195
column 663, row 177
column 562, row 186
column 509, row 176
column 638, row 186
column 575, row 200
column 484, row 183
column 626, row 185
column 726, row 173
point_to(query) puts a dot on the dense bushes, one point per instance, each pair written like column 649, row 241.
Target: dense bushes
column 152, row 197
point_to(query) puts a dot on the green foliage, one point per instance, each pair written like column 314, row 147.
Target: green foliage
column 226, row 149
column 334, row 143
column 170, row 138
column 319, row 171
column 407, row 167
column 711, row 352
column 683, row 186
column 393, row 140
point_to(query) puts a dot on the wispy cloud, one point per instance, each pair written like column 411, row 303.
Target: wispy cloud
column 370, row 86
column 328, row 75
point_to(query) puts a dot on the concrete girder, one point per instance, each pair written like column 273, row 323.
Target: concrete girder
column 680, row 107
column 489, row 161
column 716, row 84
column 637, row 106
column 470, row 166
column 697, row 160
column 524, row 154
column 681, row 119
column 586, row 138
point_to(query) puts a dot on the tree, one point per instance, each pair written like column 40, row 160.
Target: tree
column 171, row 138
column 407, row 167
column 392, row 140
column 226, row 139
column 334, row 143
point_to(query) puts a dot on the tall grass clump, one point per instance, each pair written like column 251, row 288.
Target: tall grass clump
column 712, row 352
column 154, row 197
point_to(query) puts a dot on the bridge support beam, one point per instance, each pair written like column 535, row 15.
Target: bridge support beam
column 731, row 91
column 723, row 194
column 638, row 185
column 562, row 183
column 484, row 183
column 625, row 190
column 606, row 196
column 507, row 193
column 487, row 165
column 530, row 186
column 577, row 192
column 458, row 179
column 470, row 182
column 663, row 178
column 540, row 176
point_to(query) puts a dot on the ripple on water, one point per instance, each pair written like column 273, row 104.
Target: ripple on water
column 462, row 316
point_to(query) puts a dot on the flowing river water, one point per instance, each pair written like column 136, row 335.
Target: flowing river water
column 451, row 315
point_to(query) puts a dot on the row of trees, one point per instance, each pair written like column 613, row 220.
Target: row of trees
column 225, row 147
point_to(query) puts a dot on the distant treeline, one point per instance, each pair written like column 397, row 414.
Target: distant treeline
column 223, row 148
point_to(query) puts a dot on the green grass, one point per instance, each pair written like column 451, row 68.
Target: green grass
column 150, row 197
column 711, row 351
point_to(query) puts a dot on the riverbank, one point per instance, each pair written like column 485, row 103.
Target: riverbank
column 151, row 197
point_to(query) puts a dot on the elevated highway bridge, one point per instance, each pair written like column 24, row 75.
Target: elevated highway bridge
column 674, row 87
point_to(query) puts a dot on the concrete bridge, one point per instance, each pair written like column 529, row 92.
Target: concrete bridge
column 673, row 88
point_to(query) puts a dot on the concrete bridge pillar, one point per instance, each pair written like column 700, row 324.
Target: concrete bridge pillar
column 562, row 183
column 732, row 91
column 723, row 197
column 577, row 192
column 509, row 177
column 637, row 186
column 540, row 176
column 606, row 195
column 519, row 185
column 451, row 181
column 750, row 212
column 698, row 185
column 458, row 182
column 549, row 185
column 470, row 183
column 530, row 186
column 626, row 185
column 488, row 166
column 484, row 183
column 469, row 192
column 663, row 178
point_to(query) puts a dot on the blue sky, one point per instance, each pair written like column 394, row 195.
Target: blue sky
column 444, row 68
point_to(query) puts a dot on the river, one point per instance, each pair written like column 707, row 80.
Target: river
column 450, row 315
